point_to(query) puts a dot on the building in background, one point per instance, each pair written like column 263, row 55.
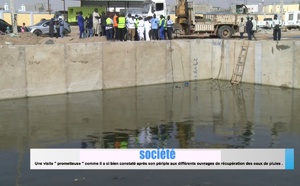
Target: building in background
column 268, row 9
column 253, row 8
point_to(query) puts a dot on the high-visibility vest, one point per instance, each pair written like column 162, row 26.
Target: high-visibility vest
column 122, row 22
column 161, row 24
column 108, row 22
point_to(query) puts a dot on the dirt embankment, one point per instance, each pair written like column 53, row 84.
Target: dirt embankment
column 28, row 38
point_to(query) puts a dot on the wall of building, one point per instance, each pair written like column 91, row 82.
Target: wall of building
column 29, row 18
column 276, row 8
column 39, row 70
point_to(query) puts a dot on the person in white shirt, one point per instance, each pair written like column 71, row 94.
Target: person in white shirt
column 130, row 24
column 276, row 30
column 169, row 27
column 147, row 28
column 141, row 29
column 242, row 28
column 95, row 21
column 254, row 28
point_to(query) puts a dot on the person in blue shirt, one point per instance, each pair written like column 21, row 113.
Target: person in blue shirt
column 80, row 24
column 154, row 27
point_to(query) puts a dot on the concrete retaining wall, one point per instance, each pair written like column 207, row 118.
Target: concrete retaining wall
column 39, row 70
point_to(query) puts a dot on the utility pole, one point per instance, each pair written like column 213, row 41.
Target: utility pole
column 64, row 9
column 13, row 17
column 281, row 9
column 49, row 7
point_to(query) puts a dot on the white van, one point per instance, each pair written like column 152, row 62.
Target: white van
column 292, row 20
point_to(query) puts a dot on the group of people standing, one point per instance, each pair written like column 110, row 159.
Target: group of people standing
column 58, row 25
column 116, row 26
column 251, row 27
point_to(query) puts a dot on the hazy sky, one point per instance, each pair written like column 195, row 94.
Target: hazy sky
column 58, row 4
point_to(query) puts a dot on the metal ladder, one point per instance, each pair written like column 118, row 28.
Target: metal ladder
column 239, row 67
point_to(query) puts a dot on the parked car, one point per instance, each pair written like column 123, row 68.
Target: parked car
column 266, row 23
column 42, row 28
column 4, row 25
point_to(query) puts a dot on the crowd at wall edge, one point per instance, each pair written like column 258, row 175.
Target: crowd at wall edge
column 117, row 27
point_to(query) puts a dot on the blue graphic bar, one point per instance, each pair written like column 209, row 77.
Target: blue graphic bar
column 289, row 159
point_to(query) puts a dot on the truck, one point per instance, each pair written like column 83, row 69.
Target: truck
column 157, row 7
column 292, row 20
column 149, row 7
column 222, row 25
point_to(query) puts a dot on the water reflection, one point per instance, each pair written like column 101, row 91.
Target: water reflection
column 201, row 115
column 198, row 115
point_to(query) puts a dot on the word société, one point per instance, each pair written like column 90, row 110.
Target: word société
column 157, row 154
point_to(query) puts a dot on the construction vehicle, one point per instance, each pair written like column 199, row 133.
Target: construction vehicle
column 222, row 25
column 157, row 7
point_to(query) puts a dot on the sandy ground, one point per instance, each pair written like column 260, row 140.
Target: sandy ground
column 73, row 37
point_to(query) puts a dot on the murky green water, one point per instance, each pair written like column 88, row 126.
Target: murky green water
column 202, row 114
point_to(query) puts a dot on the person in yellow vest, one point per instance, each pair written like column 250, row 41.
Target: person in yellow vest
column 161, row 27
column 109, row 27
column 136, row 26
column 116, row 26
column 121, row 27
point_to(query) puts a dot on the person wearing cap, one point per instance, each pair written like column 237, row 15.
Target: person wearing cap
column 249, row 26
column 276, row 30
